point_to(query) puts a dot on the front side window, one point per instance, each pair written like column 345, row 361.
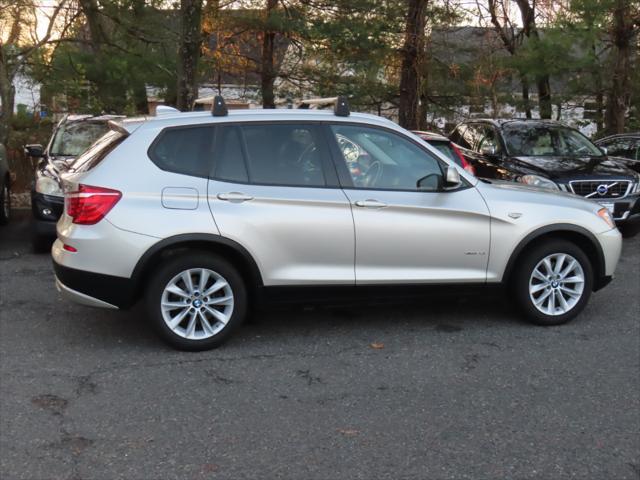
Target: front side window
column 71, row 139
column 547, row 141
column 379, row 159
column 625, row 148
column 187, row 151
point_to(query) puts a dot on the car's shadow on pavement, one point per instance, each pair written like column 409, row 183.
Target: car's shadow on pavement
column 315, row 322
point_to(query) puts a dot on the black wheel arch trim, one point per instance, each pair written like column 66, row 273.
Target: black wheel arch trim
column 185, row 239
column 600, row 279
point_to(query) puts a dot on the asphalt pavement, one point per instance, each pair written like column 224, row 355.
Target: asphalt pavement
column 453, row 388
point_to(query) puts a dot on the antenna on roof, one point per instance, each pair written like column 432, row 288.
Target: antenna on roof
column 341, row 108
column 219, row 108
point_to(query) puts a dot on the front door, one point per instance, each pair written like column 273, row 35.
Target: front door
column 406, row 235
column 274, row 190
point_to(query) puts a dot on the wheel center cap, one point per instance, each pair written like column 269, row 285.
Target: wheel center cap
column 554, row 284
column 197, row 303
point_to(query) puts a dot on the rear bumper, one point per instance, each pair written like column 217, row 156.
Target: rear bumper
column 94, row 289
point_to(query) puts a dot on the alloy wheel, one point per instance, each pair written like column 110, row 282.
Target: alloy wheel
column 197, row 303
column 556, row 284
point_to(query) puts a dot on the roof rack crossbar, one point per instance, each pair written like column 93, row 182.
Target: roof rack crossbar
column 218, row 107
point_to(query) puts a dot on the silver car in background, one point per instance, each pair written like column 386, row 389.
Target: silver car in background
column 201, row 214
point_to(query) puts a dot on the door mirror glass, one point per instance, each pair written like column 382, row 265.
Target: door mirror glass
column 452, row 178
column 34, row 150
column 604, row 150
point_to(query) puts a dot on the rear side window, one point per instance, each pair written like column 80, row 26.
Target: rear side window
column 271, row 154
column 187, row 151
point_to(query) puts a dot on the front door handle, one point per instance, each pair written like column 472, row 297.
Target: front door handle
column 370, row 203
column 235, row 197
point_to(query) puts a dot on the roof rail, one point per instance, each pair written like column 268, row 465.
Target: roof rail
column 218, row 107
column 341, row 108
column 165, row 110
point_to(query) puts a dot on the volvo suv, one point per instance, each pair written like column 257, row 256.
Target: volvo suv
column 202, row 215
column 551, row 155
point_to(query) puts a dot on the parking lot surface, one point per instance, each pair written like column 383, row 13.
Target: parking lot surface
column 450, row 388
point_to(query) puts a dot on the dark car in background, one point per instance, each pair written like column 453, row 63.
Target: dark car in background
column 71, row 136
column 623, row 146
column 5, row 187
column 446, row 146
column 550, row 155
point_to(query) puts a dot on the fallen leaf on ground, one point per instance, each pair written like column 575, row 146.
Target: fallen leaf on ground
column 377, row 346
column 348, row 433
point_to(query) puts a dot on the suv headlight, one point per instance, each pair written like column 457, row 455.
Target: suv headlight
column 48, row 186
column 538, row 181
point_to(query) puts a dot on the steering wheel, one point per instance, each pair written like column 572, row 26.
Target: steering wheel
column 373, row 174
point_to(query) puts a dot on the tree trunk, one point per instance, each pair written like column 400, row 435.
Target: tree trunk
column 7, row 96
column 188, row 53
column 528, row 15
column 267, row 70
column 526, row 103
column 409, row 74
column 617, row 97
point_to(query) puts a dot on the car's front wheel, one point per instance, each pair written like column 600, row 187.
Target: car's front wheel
column 553, row 282
column 196, row 301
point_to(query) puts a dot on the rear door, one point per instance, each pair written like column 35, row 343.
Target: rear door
column 406, row 235
column 274, row 190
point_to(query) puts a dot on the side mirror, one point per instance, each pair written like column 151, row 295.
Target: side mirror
column 452, row 179
column 34, row 150
column 604, row 150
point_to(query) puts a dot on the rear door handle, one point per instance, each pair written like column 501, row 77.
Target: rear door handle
column 235, row 197
column 370, row 203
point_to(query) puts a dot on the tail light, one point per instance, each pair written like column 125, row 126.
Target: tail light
column 88, row 205
column 466, row 165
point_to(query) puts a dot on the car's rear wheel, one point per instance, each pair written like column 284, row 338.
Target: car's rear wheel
column 5, row 203
column 553, row 282
column 196, row 301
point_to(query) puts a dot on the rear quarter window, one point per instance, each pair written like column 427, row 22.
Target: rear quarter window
column 184, row 150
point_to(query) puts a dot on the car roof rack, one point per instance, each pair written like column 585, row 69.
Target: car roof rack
column 341, row 108
column 218, row 107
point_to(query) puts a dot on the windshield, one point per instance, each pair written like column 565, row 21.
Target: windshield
column 547, row 141
column 74, row 138
column 100, row 149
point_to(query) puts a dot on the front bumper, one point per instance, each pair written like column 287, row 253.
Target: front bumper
column 623, row 210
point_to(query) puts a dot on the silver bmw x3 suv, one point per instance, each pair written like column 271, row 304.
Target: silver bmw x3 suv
column 201, row 214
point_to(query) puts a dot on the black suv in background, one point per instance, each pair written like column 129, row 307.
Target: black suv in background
column 5, row 187
column 71, row 136
column 623, row 146
column 548, row 154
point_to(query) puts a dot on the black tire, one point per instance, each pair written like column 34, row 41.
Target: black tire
column 5, row 202
column 163, row 275
column 524, row 271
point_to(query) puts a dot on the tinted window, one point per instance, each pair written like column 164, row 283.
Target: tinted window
column 447, row 149
column 458, row 136
column 184, row 150
column 284, row 154
column 624, row 147
column 380, row 159
column 229, row 159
